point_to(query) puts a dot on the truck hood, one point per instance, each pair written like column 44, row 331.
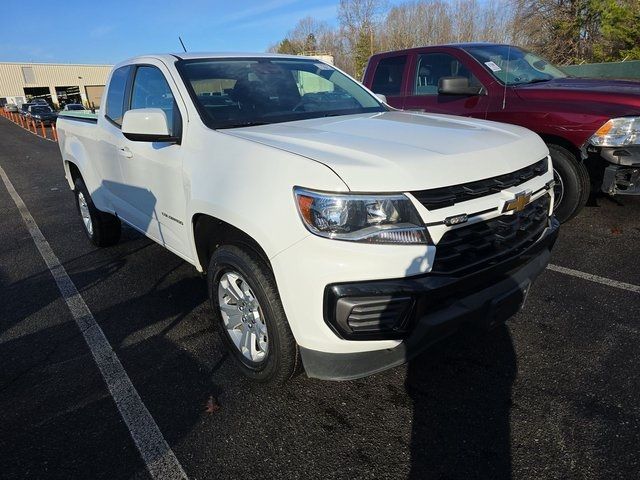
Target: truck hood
column 401, row 151
column 610, row 97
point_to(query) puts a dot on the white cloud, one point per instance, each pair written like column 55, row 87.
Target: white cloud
column 288, row 19
column 101, row 31
column 259, row 9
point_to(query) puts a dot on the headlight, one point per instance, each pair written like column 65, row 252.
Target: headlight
column 361, row 218
column 618, row 132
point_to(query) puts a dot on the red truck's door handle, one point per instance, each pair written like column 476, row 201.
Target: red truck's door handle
column 125, row 152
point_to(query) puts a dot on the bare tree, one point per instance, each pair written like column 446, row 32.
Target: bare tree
column 358, row 21
column 414, row 24
column 432, row 22
column 566, row 31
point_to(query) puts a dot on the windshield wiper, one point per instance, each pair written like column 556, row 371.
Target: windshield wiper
column 244, row 124
column 538, row 80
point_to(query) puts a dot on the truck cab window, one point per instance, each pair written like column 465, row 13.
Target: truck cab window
column 389, row 75
column 151, row 90
column 115, row 95
column 433, row 66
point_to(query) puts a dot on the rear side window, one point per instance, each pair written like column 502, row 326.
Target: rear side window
column 389, row 75
column 115, row 95
column 151, row 90
column 433, row 66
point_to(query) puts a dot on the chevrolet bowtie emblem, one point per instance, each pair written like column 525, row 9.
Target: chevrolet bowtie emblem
column 520, row 201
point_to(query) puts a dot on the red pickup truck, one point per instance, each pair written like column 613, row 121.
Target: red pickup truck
column 592, row 127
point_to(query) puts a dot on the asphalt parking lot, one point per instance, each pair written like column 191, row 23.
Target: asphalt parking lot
column 553, row 394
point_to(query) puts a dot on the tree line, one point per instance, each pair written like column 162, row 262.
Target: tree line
column 564, row 31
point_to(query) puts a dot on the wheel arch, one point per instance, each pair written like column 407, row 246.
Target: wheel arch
column 71, row 172
column 210, row 232
column 564, row 143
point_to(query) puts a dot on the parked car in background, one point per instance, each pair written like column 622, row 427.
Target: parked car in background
column 38, row 101
column 592, row 127
column 11, row 108
column 24, row 109
column 42, row 113
column 73, row 107
column 331, row 229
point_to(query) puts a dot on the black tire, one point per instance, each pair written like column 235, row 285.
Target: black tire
column 282, row 358
column 106, row 228
column 575, row 183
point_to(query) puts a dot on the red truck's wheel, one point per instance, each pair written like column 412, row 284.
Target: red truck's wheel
column 572, row 183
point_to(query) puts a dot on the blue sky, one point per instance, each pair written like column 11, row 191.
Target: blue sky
column 81, row 31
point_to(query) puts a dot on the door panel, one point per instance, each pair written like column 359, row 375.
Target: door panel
column 154, row 194
column 109, row 163
column 423, row 88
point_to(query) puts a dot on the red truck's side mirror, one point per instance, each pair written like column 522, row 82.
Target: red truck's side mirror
column 457, row 86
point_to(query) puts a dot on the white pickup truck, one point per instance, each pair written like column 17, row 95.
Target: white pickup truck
column 332, row 229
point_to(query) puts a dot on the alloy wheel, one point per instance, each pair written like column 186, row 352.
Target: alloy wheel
column 558, row 189
column 85, row 213
column 243, row 317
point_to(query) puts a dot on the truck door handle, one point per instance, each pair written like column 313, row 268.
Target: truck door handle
column 125, row 152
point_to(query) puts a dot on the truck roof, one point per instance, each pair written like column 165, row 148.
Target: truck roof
column 170, row 57
column 460, row 45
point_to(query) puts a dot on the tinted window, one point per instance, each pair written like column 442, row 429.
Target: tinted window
column 240, row 92
column 151, row 90
column 433, row 66
column 115, row 95
column 389, row 75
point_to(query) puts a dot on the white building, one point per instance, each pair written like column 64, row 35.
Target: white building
column 57, row 83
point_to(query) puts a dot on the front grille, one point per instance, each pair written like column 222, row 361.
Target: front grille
column 483, row 243
column 447, row 196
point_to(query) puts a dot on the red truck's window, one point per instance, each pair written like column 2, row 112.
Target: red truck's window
column 433, row 66
column 389, row 75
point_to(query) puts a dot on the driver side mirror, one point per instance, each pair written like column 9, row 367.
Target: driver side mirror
column 147, row 125
column 457, row 86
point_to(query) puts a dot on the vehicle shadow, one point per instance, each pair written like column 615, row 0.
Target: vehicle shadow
column 461, row 394
column 57, row 389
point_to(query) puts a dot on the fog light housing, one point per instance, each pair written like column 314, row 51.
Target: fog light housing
column 371, row 318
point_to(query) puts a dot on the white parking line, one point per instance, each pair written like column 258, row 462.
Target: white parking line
column 156, row 453
column 595, row 278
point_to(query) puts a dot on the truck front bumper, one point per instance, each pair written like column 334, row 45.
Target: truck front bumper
column 617, row 167
column 621, row 180
column 426, row 309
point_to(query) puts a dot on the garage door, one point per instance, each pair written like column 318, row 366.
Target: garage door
column 94, row 94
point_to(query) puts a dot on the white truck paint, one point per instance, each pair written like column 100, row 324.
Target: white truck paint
column 245, row 176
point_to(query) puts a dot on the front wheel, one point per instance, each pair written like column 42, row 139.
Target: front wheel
column 249, row 315
column 572, row 187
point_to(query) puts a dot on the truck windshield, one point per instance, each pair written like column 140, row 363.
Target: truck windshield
column 513, row 65
column 256, row 91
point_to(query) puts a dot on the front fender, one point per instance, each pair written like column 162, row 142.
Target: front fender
column 250, row 186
